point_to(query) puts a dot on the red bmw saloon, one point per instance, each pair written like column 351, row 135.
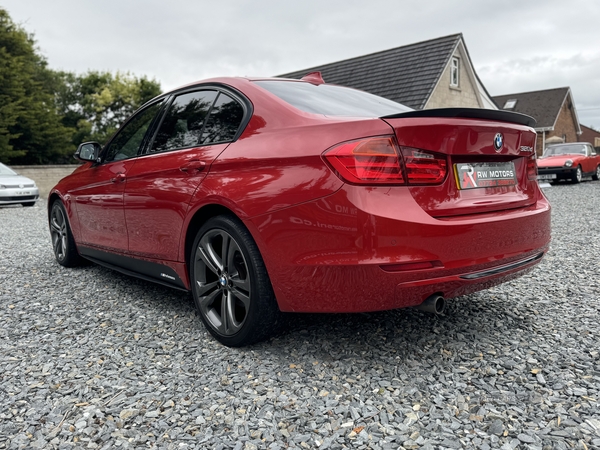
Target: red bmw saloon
column 263, row 196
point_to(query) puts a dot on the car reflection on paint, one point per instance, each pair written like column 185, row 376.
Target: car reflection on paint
column 263, row 196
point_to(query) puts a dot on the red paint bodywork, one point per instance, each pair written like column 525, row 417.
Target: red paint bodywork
column 328, row 246
column 588, row 163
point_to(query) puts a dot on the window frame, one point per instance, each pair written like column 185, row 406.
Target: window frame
column 149, row 132
column 170, row 98
column 455, row 69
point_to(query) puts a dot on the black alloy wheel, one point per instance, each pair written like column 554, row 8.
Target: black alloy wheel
column 63, row 244
column 230, row 284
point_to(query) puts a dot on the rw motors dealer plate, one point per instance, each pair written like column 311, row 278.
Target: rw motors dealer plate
column 482, row 175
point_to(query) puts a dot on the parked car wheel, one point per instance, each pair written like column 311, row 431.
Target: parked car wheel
column 28, row 203
column 577, row 175
column 596, row 176
column 63, row 244
column 230, row 284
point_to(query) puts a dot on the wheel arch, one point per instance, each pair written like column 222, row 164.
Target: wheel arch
column 200, row 217
column 51, row 199
column 69, row 208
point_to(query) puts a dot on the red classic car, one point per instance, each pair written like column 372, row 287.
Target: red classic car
column 268, row 195
column 569, row 162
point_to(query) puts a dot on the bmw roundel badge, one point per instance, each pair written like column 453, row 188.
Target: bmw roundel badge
column 498, row 142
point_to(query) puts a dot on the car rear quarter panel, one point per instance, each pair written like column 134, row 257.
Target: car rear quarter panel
column 326, row 255
column 274, row 166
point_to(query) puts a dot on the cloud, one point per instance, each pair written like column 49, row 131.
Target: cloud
column 548, row 72
column 516, row 46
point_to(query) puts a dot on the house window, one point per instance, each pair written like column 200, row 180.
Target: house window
column 454, row 69
column 510, row 104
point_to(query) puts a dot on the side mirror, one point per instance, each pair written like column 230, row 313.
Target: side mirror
column 88, row 151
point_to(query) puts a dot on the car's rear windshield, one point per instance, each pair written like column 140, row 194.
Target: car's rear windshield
column 332, row 100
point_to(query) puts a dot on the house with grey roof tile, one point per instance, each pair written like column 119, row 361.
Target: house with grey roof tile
column 553, row 109
column 432, row 74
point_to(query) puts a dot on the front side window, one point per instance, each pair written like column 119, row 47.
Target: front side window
column 130, row 138
column 454, row 72
column 183, row 123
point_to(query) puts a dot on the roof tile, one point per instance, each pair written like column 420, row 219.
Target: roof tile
column 544, row 106
column 405, row 74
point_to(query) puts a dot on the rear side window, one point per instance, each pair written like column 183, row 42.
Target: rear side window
column 331, row 100
column 183, row 123
column 199, row 118
column 224, row 121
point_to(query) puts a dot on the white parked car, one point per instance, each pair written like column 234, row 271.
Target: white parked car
column 15, row 188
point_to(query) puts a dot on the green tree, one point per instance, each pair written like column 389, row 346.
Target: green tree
column 95, row 104
column 31, row 130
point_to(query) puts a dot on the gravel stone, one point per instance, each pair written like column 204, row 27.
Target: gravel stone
column 525, row 438
column 496, row 428
column 90, row 358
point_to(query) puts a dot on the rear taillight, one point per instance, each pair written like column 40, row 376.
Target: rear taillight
column 424, row 167
column 367, row 161
column 532, row 170
column 378, row 160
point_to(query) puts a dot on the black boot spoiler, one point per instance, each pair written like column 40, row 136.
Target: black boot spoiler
column 468, row 113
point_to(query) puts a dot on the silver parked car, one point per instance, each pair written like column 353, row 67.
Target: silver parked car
column 15, row 188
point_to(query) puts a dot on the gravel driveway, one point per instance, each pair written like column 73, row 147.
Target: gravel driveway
column 90, row 358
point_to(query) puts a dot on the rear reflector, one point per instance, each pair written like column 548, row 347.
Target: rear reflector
column 411, row 266
column 367, row 161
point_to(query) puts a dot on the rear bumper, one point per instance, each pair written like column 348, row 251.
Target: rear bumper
column 355, row 250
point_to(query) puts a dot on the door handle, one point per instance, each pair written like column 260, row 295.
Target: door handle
column 192, row 165
column 118, row 178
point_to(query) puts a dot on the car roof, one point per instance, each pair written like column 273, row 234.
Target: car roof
column 567, row 143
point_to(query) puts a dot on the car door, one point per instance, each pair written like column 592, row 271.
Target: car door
column 584, row 161
column 197, row 126
column 99, row 197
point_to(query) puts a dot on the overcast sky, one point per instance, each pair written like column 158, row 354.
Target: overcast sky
column 515, row 45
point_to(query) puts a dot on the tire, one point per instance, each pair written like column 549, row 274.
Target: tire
column 63, row 244
column 596, row 175
column 233, row 294
column 27, row 204
column 576, row 178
